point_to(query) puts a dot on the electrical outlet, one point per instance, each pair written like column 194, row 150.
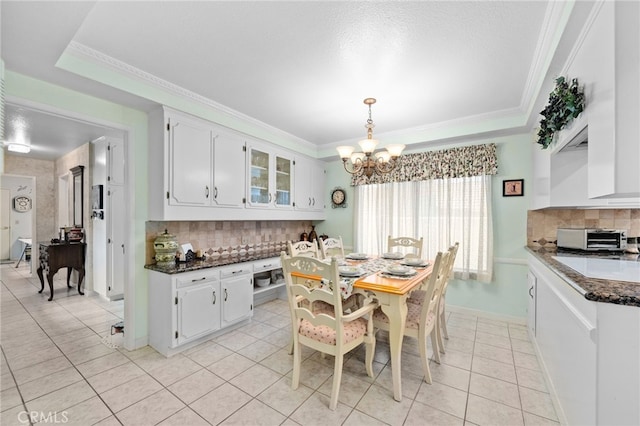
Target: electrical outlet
column 244, row 240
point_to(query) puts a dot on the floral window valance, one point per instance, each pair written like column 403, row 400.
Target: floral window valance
column 466, row 161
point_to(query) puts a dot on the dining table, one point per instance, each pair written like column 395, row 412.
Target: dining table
column 391, row 291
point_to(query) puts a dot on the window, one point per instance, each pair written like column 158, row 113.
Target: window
column 442, row 211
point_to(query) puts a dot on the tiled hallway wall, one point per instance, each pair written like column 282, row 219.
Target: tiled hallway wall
column 542, row 224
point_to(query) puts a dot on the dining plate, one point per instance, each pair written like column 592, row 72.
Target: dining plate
column 350, row 271
column 399, row 269
column 357, row 256
column 392, row 255
column 413, row 261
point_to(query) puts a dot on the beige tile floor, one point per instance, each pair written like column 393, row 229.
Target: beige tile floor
column 55, row 364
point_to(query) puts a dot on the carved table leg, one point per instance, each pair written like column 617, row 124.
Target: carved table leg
column 80, row 277
column 69, row 270
column 39, row 271
column 50, row 281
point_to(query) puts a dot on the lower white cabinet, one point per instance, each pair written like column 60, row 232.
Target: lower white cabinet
column 189, row 306
column 198, row 310
column 588, row 351
column 565, row 335
column 237, row 292
column 531, row 308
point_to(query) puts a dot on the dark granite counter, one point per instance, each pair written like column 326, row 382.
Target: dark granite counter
column 597, row 290
column 214, row 261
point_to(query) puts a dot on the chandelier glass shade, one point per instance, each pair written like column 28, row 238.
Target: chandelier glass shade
column 368, row 161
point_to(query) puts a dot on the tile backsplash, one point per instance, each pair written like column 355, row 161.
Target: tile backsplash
column 226, row 236
column 542, row 224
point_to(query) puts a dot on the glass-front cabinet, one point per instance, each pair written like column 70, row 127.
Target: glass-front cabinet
column 270, row 179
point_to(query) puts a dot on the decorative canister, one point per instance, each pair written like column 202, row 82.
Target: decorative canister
column 313, row 235
column 165, row 246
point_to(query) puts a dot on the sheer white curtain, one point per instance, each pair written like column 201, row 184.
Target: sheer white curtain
column 442, row 211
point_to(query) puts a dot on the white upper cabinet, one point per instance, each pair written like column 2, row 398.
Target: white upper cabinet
column 603, row 171
column 190, row 165
column 228, row 170
column 270, row 177
column 309, row 184
column 607, row 62
column 199, row 170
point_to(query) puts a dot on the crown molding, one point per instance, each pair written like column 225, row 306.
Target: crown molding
column 553, row 26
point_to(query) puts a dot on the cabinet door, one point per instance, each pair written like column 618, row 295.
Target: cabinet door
column 190, row 162
column 198, row 311
column 237, row 296
column 259, row 177
column 531, row 309
column 302, row 187
column 317, row 185
column 116, row 241
column 228, row 170
column 283, row 181
column 117, row 164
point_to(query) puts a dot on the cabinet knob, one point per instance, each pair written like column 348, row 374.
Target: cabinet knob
column 225, row 295
column 530, row 290
column 206, row 191
column 214, row 298
column 215, row 192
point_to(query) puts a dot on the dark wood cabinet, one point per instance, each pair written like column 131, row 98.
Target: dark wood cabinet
column 54, row 256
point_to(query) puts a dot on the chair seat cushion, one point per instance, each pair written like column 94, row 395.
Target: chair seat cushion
column 416, row 297
column 413, row 316
column 352, row 330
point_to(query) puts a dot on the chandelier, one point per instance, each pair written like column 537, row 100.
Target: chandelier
column 369, row 162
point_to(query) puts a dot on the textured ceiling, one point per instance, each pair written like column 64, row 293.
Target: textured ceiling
column 301, row 67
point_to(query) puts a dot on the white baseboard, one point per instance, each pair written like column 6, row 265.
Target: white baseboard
column 488, row 315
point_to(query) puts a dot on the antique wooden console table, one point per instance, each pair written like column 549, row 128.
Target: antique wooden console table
column 54, row 256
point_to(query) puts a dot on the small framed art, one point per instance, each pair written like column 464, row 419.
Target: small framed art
column 513, row 188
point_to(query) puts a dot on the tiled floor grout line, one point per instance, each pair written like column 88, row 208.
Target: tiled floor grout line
column 71, row 307
column 63, row 354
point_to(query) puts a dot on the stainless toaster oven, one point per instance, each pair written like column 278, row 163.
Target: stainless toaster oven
column 592, row 239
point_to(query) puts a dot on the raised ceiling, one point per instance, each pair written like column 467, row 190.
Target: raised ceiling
column 441, row 70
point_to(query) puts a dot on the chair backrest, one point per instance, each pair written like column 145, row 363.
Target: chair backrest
column 453, row 251
column 331, row 247
column 435, row 285
column 328, row 275
column 304, row 248
column 406, row 242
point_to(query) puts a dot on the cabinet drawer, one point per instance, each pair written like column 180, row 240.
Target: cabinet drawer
column 197, row 277
column 235, row 270
column 266, row 264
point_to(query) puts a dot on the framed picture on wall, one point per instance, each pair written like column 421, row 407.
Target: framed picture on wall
column 513, row 188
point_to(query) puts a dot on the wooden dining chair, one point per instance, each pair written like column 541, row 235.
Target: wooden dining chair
column 304, row 248
column 422, row 319
column 406, row 243
column 417, row 298
column 442, row 315
column 327, row 330
column 331, row 247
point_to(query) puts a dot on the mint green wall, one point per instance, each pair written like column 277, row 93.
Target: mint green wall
column 29, row 89
column 507, row 293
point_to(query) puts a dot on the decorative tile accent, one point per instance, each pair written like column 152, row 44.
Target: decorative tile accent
column 228, row 238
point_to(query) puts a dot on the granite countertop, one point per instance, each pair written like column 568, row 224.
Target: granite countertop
column 594, row 289
column 214, row 261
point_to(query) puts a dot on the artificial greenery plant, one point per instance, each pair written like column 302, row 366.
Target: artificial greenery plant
column 566, row 102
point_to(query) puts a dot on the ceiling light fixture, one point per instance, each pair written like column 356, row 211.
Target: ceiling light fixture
column 19, row 147
column 367, row 162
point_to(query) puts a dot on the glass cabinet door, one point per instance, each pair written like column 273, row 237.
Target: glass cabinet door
column 283, row 181
column 259, row 189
